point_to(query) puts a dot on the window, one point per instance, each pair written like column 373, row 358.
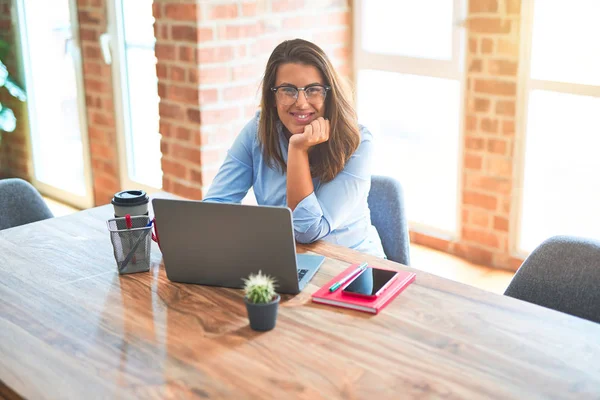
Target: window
column 52, row 66
column 561, row 75
column 136, row 93
column 409, row 73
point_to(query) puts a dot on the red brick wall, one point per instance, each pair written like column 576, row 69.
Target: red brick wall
column 211, row 56
column 177, row 36
column 92, row 17
column 14, row 149
column 490, row 109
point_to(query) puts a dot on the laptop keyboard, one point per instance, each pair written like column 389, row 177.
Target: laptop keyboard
column 301, row 273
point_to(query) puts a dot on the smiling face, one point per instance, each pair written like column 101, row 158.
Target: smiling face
column 296, row 116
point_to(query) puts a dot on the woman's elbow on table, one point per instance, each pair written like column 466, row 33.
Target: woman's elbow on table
column 305, row 238
column 315, row 232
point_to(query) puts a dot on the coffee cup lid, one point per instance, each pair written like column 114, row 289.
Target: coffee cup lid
column 130, row 198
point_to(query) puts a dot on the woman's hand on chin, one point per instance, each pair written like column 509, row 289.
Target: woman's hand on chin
column 314, row 133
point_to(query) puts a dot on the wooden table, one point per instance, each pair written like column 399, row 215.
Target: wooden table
column 71, row 327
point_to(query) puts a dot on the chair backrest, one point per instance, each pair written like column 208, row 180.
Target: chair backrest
column 562, row 273
column 386, row 202
column 20, row 204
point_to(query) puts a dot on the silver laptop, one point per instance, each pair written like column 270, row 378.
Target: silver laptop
column 220, row 244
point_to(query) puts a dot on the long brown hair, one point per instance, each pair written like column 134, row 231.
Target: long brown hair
column 326, row 159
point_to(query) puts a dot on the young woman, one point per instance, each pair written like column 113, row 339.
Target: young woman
column 305, row 150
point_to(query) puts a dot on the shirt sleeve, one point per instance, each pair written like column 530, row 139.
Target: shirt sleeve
column 234, row 178
column 332, row 203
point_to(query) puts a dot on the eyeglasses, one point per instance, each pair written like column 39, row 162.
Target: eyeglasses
column 288, row 94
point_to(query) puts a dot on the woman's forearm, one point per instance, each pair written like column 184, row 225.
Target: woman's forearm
column 299, row 180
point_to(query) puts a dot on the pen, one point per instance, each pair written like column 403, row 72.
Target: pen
column 358, row 269
column 135, row 246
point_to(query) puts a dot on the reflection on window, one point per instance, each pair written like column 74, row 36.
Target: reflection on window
column 571, row 53
column 411, row 146
column 53, row 96
column 408, row 28
column 561, row 193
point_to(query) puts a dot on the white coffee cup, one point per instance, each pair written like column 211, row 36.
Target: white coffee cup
column 132, row 202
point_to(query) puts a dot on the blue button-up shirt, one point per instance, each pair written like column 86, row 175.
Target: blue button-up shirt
column 337, row 211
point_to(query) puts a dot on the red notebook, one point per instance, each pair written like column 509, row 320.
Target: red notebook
column 339, row 299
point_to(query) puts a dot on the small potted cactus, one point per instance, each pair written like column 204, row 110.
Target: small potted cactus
column 261, row 301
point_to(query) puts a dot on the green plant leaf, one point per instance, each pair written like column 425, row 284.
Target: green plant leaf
column 14, row 89
column 8, row 122
column 3, row 73
column 4, row 49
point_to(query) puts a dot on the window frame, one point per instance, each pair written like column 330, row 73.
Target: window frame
column 115, row 30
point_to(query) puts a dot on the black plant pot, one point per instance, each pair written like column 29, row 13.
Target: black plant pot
column 262, row 316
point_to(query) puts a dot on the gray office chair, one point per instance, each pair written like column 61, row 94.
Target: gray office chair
column 386, row 202
column 562, row 273
column 20, row 204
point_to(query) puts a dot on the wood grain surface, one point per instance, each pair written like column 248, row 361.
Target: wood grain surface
column 72, row 327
